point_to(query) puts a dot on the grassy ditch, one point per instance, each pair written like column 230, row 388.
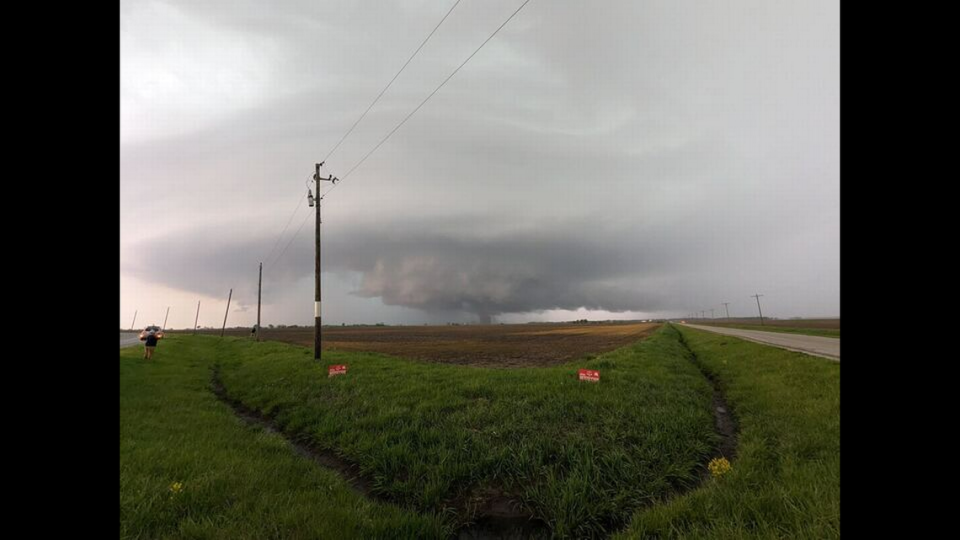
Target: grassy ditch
column 447, row 440
column 785, row 482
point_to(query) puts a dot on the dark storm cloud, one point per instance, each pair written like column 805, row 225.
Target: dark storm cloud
column 453, row 264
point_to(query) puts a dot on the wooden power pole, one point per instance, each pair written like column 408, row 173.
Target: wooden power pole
column 195, row 321
column 316, row 298
column 227, row 313
column 757, row 296
column 259, row 291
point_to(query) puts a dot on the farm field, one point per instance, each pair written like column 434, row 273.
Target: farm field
column 810, row 327
column 492, row 345
column 421, row 450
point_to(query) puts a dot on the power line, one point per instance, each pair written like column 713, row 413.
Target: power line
column 414, row 111
column 294, row 237
column 277, row 243
column 349, row 131
column 362, row 116
column 402, row 122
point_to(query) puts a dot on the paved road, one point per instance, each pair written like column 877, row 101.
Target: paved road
column 126, row 340
column 815, row 345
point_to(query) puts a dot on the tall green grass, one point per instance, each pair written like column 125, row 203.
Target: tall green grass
column 432, row 437
column 237, row 481
column 587, row 458
column 785, row 482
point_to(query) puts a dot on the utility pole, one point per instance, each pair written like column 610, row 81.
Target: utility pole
column 757, row 296
column 711, row 314
column 259, row 290
column 164, row 327
column 134, row 320
column 726, row 306
column 195, row 321
column 316, row 303
column 225, row 314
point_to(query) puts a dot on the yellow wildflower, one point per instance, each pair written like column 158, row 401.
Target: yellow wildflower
column 719, row 466
column 176, row 487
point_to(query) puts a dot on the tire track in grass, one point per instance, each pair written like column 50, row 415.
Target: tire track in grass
column 325, row 458
column 496, row 517
column 726, row 425
column 501, row 517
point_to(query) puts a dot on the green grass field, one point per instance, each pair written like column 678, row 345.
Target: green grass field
column 785, row 482
column 588, row 459
column 236, row 482
column 577, row 455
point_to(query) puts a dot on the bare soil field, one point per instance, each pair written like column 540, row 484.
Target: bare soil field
column 508, row 345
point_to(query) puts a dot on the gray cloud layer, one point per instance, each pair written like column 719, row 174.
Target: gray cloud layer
column 648, row 156
column 450, row 265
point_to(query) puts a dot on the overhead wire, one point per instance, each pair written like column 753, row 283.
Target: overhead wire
column 352, row 127
column 422, row 103
column 380, row 95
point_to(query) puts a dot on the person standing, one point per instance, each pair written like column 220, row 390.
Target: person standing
column 149, row 345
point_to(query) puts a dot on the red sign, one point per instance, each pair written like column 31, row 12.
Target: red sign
column 340, row 369
column 589, row 375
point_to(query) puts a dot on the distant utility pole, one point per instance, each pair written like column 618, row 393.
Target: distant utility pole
column 316, row 303
column 259, row 289
column 726, row 306
column 703, row 314
column 195, row 321
column 757, row 296
column 225, row 314
column 711, row 314
column 132, row 325
column 164, row 327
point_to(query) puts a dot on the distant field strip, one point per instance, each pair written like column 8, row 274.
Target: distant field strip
column 491, row 345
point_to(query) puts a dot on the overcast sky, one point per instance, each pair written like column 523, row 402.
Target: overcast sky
column 617, row 159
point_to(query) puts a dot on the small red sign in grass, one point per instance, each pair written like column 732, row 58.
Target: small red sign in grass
column 339, row 369
column 589, row 375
